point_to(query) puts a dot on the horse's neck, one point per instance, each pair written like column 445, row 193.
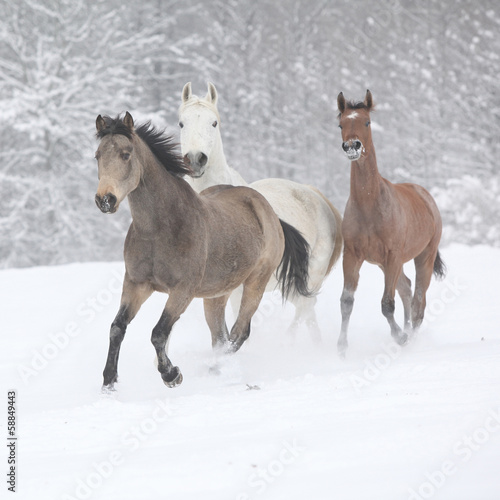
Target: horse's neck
column 365, row 180
column 156, row 199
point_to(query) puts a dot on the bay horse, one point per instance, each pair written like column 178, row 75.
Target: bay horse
column 302, row 206
column 187, row 244
column 385, row 224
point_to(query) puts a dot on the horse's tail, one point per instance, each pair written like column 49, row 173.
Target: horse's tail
column 339, row 240
column 293, row 271
column 439, row 267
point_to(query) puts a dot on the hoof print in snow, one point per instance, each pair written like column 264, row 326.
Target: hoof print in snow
column 252, row 387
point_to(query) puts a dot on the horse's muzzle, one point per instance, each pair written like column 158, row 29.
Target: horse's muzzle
column 353, row 149
column 107, row 203
column 197, row 162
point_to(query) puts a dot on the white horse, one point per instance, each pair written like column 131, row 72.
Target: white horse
column 304, row 207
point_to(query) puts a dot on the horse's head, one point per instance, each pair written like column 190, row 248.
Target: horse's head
column 199, row 124
column 354, row 121
column 118, row 168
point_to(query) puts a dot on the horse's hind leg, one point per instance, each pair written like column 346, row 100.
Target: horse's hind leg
column 175, row 306
column 404, row 289
column 215, row 314
column 133, row 296
column 252, row 295
column 305, row 312
column 424, row 264
column 392, row 272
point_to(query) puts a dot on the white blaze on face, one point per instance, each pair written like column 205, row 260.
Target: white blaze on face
column 353, row 115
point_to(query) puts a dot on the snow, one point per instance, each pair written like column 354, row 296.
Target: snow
column 285, row 418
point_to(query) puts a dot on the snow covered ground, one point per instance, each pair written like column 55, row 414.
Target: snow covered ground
column 285, row 419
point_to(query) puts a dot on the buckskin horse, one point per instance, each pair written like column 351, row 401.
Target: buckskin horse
column 188, row 244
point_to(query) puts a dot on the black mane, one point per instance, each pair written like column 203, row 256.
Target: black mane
column 161, row 145
column 357, row 105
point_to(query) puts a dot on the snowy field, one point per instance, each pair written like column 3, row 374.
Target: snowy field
column 285, row 418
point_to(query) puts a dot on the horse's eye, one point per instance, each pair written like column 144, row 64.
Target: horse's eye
column 340, row 127
column 368, row 123
column 181, row 125
column 125, row 156
column 214, row 124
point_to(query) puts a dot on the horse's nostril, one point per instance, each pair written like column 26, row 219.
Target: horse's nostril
column 106, row 203
column 345, row 146
column 357, row 145
column 202, row 159
column 110, row 200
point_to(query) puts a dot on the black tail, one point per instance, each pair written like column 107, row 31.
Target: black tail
column 293, row 271
column 439, row 267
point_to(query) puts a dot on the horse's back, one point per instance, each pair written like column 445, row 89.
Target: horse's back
column 244, row 218
column 225, row 198
column 422, row 215
column 213, row 190
column 418, row 199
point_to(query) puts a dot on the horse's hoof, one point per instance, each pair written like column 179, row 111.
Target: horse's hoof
column 401, row 338
column 342, row 350
column 108, row 389
column 174, row 378
column 214, row 370
column 233, row 346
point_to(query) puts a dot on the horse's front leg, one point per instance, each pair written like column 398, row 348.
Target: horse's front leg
column 351, row 266
column 392, row 271
column 175, row 306
column 133, row 296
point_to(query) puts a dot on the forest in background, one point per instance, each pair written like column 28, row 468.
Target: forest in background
column 278, row 66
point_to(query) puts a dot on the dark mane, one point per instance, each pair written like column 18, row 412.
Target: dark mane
column 357, row 105
column 164, row 148
column 161, row 145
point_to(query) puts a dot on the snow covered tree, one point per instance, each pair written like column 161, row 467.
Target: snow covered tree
column 278, row 67
column 62, row 63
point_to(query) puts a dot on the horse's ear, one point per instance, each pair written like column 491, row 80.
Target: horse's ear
column 368, row 100
column 212, row 94
column 186, row 92
column 341, row 102
column 129, row 121
column 100, row 124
